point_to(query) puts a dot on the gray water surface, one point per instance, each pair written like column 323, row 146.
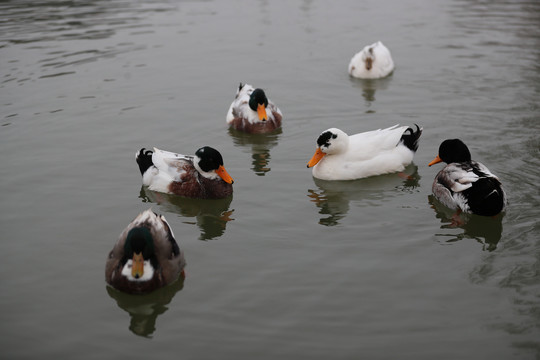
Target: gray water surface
column 290, row 267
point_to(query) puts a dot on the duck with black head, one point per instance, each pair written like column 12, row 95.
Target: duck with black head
column 201, row 176
column 146, row 256
column 465, row 184
column 252, row 112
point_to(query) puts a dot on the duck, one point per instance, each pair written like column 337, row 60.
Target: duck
column 372, row 62
column 252, row 112
column 339, row 156
column 464, row 184
column 200, row 176
column 146, row 256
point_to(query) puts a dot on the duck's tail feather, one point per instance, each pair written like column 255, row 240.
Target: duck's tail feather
column 144, row 160
column 486, row 197
column 410, row 137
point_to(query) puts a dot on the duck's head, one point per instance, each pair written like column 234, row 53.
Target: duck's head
column 139, row 256
column 258, row 102
column 209, row 163
column 330, row 142
column 452, row 151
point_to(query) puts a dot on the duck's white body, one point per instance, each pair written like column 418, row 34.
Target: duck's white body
column 362, row 155
column 373, row 62
column 167, row 168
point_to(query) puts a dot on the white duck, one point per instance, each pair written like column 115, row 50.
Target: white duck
column 373, row 62
column 465, row 184
column 342, row 157
column 252, row 112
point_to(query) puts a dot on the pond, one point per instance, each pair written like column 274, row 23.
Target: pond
column 289, row 267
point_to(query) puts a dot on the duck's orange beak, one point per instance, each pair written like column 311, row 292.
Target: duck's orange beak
column 435, row 161
column 137, row 268
column 316, row 158
column 261, row 111
column 224, row 174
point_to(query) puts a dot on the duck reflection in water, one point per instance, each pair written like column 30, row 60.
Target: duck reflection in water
column 211, row 215
column 259, row 145
column 486, row 230
column 333, row 197
column 145, row 309
column 370, row 86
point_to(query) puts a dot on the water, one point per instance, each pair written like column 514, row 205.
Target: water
column 289, row 267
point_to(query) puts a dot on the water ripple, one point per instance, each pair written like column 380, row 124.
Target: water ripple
column 30, row 27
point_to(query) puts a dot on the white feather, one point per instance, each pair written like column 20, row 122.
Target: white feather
column 168, row 167
column 147, row 274
column 149, row 217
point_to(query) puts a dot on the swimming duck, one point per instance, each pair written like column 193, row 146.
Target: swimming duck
column 146, row 256
column 342, row 157
column 252, row 112
column 201, row 176
column 373, row 62
column 466, row 184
